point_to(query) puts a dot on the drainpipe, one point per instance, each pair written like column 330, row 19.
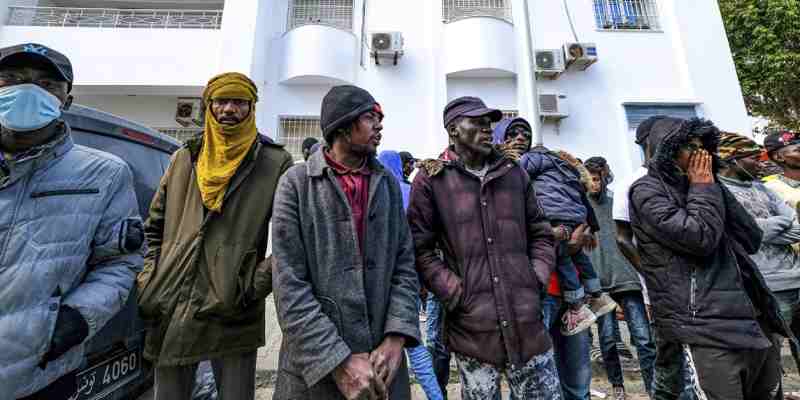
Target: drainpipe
column 530, row 49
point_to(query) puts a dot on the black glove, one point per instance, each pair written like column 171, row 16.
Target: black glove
column 71, row 330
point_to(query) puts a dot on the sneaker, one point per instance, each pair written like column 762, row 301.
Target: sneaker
column 602, row 305
column 576, row 321
column 619, row 393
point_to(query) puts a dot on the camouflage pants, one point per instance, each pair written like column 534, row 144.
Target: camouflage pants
column 536, row 380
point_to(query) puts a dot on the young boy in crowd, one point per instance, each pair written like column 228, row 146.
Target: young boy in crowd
column 562, row 191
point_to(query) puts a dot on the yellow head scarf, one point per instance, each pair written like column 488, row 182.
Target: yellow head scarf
column 224, row 146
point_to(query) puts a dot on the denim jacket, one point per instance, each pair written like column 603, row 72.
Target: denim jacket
column 65, row 212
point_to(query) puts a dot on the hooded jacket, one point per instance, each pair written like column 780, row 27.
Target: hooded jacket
column 394, row 164
column 694, row 241
column 558, row 184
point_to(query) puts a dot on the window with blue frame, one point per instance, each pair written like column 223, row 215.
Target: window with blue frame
column 626, row 14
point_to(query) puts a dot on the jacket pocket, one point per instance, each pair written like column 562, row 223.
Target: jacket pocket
column 230, row 276
column 332, row 310
column 67, row 205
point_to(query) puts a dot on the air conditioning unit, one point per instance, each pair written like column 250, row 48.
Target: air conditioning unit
column 189, row 111
column 581, row 55
column 550, row 63
column 387, row 45
column 553, row 106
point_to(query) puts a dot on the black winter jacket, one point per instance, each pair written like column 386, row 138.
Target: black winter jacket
column 694, row 241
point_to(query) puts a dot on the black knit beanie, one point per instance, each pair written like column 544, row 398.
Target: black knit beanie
column 342, row 105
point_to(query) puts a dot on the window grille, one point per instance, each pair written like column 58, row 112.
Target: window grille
column 181, row 134
column 114, row 18
column 335, row 13
column 454, row 10
column 626, row 14
column 507, row 114
column 294, row 130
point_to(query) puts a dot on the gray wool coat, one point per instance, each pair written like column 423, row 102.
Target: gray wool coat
column 331, row 300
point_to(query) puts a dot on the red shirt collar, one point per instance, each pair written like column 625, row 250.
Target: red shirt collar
column 341, row 169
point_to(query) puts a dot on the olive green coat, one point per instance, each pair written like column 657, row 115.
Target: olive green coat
column 205, row 278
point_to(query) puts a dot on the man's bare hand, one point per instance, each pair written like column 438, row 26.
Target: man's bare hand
column 357, row 380
column 576, row 240
column 700, row 168
column 386, row 359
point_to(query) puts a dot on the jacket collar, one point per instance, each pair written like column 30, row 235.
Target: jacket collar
column 22, row 164
column 317, row 164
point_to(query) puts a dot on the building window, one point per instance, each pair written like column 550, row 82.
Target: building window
column 507, row 114
column 636, row 113
column 626, row 14
column 454, row 10
column 335, row 13
column 296, row 129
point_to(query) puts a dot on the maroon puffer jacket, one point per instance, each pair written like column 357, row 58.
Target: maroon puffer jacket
column 498, row 254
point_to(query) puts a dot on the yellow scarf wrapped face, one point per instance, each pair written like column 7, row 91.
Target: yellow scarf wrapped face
column 224, row 146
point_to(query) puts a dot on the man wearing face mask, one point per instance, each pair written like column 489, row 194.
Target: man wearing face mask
column 480, row 208
column 777, row 260
column 205, row 276
column 345, row 286
column 58, row 287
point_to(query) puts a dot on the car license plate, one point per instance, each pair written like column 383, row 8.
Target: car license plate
column 103, row 378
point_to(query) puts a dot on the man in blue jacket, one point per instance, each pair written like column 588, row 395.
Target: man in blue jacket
column 70, row 231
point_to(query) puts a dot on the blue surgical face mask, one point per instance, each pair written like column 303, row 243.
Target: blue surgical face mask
column 27, row 107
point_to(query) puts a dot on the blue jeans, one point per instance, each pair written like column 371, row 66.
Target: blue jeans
column 639, row 327
column 422, row 364
column 576, row 275
column 571, row 352
column 436, row 347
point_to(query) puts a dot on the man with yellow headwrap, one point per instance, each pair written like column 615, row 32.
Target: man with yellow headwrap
column 205, row 278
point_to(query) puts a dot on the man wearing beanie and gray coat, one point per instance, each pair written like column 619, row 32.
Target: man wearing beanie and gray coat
column 344, row 279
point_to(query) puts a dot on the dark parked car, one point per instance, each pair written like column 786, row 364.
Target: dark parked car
column 114, row 368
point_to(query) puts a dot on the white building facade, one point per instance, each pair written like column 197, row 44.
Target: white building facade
column 145, row 60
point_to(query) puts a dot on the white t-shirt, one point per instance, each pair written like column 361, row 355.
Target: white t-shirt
column 621, row 211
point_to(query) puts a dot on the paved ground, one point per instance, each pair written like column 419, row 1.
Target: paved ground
column 268, row 363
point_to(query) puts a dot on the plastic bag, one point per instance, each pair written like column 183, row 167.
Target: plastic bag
column 205, row 387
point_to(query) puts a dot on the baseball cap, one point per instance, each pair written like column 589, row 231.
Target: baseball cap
column 58, row 61
column 780, row 139
column 468, row 106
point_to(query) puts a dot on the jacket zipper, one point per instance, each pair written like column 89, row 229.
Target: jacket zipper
column 692, row 307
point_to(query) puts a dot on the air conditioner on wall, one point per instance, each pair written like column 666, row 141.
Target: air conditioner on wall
column 553, row 106
column 550, row 63
column 580, row 55
column 189, row 111
column 387, row 45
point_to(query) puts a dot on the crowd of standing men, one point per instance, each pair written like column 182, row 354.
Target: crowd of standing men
column 519, row 249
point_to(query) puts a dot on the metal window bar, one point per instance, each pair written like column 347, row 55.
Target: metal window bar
column 181, row 134
column 507, row 114
column 626, row 14
column 114, row 18
column 294, row 130
column 454, row 10
column 335, row 13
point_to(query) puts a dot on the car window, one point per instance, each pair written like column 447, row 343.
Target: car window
column 146, row 162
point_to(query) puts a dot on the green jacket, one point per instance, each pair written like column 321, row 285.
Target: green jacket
column 205, row 276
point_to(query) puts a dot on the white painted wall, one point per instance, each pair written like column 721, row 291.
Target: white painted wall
column 147, row 57
column 687, row 62
column 151, row 111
